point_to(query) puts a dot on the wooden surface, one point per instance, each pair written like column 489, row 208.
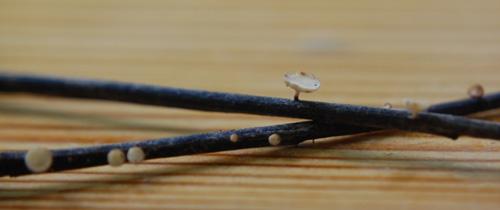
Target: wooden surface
column 365, row 52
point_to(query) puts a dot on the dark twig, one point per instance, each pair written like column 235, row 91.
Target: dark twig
column 328, row 113
column 13, row 163
column 467, row 106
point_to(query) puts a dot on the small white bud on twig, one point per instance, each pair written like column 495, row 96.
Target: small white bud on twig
column 274, row 139
column 38, row 159
column 116, row 157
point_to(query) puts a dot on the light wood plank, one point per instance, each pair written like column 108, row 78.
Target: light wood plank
column 364, row 52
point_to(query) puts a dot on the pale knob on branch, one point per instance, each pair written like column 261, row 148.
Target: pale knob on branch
column 414, row 108
column 116, row 157
column 476, row 91
column 38, row 159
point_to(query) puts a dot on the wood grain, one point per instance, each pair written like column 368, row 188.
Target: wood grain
column 364, row 52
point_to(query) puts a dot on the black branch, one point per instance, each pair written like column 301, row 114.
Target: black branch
column 327, row 113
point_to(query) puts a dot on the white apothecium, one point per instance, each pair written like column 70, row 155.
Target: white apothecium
column 302, row 82
column 476, row 91
column 116, row 157
column 414, row 108
column 135, row 155
column 274, row 139
column 38, row 159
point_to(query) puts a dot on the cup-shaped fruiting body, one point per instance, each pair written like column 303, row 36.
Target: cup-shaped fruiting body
column 274, row 139
column 135, row 155
column 476, row 91
column 302, row 82
column 116, row 157
column 38, row 159
column 234, row 138
column 414, row 108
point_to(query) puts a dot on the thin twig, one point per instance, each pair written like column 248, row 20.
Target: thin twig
column 13, row 163
column 329, row 113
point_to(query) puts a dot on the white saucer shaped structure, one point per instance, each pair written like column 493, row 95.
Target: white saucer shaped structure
column 302, row 82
